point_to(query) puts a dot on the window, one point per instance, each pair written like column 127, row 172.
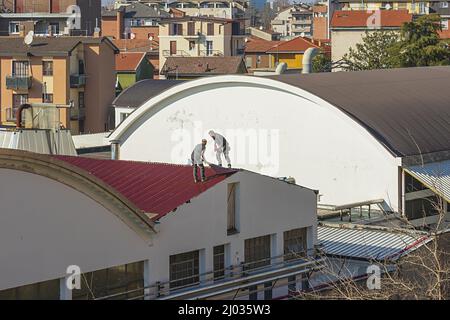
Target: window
column 20, row 68
column 191, row 45
column 422, row 207
column 444, row 24
column 47, row 98
column 173, row 48
column 443, row 4
column 177, row 29
column 47, row 68
column 123, row 116
column 14, row 27
column 257, row 255
column 295, row 244
column 209, row 48
column 54, row 28
column 210, row 29
column 19, row 99
column 232, row 227
column 80, row 67
column 48, row 290
column 248, row 61
column 219, row 262
column 191, row 28
column 184, row 269
column 257, row 252
column 412, row 184
column 81, row 104
column 110, row 281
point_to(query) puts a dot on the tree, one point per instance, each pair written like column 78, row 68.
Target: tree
column 420, row 44
column 374, row 52
column 321, row 63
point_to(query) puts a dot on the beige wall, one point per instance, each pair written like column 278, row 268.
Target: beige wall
column 100, row 85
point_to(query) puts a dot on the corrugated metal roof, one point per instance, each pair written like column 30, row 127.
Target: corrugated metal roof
column 156, row 188
column 367, row 244
column 406, row 109
column 435, row 176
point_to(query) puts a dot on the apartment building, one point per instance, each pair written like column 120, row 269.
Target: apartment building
column 293, row 21
column 44, row 17
column 134, row 21
column 349, row 27
column 413, row 7
column 75, row 71
column 199, row 37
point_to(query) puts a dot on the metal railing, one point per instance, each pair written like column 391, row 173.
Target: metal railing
column 19, row 82
column 211, row 53
column 177, row 53
column 77, row 80
column 234, row 278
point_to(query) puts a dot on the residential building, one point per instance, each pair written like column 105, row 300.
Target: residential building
column 150, row 48
column 77, row 71
column 259, row 244
column 355, row 136
column 186, row 68
column 132, row 67
column 200, row 37
column 55, row 17
column 294, row 21
column 349, row 27
column 229, row 9
column 290, row 52
column 413, row 7
column 256, row 55
column 135, row 21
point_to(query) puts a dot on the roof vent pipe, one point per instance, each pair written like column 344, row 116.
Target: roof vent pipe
column 308, row 56
column 19, row 114
column 281, row 68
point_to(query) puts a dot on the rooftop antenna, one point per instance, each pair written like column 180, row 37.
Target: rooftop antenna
column 29, row 38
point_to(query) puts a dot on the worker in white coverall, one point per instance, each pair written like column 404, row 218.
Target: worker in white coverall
column 221, row 147
column 197, row 158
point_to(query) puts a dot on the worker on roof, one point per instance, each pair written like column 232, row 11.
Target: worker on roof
column 221, row 147
column 197, row 158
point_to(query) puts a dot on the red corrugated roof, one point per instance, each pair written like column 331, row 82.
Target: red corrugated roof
column 157, row 188
column 359, row 18
column 128, row 61
column 298, row 44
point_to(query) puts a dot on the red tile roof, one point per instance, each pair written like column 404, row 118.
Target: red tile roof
column 156, row 188
column 129, row 61
column 136, row 45
column 255, row 44
column 357, row 18
column 297, row 44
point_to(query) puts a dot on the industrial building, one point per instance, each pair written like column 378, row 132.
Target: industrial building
column 145, row 230
column 356, row 137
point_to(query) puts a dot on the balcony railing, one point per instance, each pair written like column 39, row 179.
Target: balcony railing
column 77, row 80
column 19, row 82
column 177, row 53
column 211, row 53
column 77, row 113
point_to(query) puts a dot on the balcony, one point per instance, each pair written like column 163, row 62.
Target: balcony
column 77, row 113
column 177, row 53
column 211, row 53
column 18, row 82
column 77, row 80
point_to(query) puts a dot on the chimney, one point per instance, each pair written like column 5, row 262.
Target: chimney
column 120, row 22
column 21, row 30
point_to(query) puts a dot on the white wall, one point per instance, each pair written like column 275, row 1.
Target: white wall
column 45, row 226
column 312, row 141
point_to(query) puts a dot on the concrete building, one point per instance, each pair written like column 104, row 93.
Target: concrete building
column 294, row 21
column 260, row 231
column 199, row 37
column 349, row 27
column 355, row 136
column 59, row 70
column 44, row 17
column 411, row 6
column 135, row 21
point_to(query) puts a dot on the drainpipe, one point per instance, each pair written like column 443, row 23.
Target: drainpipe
column 19, row 114
column 115, row 150
column 309, row 54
